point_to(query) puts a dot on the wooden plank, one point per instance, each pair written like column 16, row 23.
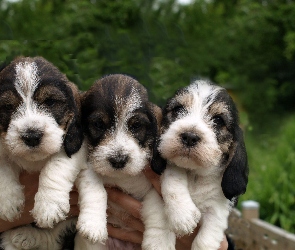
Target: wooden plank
column 257, row 234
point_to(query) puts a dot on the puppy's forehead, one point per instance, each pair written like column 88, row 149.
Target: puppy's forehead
column 199, row 94
column 26, row 77
column 120, row 93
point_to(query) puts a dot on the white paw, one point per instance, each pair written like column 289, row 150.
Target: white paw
column 158, row 239
column 48, row 212
column 184, row 221
column 205, row 243
column 92, row 230
column 23, row 238
column 12, row 203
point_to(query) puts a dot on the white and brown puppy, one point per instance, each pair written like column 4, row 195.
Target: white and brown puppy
column 40, row 131
column 206, row 161
column 121, row 129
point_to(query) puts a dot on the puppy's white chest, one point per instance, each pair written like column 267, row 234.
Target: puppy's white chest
column 204, row 190
column 137, row 186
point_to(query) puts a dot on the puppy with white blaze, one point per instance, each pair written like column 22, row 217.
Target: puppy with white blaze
column 121, row 127
column 206, row 162
column 40, row 126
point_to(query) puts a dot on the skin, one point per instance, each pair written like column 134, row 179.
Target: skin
column 131, row 205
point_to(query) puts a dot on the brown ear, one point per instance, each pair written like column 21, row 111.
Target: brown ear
column 158, row 164
column 235, row 177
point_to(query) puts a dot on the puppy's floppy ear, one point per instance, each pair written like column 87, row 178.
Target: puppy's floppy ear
column 74, row 136
column 235, row 176
column 158, row 164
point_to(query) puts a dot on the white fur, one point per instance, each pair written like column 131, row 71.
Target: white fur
column 55, row 183
column 191, row 183
column 32, row 119
column 93, row 204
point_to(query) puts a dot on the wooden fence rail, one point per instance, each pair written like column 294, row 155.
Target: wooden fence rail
column 250, row 233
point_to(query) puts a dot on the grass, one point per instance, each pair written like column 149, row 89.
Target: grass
column 271, row 157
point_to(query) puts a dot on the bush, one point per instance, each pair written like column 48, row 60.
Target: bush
column 272, row 163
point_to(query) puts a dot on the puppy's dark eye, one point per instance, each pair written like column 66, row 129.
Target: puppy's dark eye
column 218, row 121
column 49, row 102
column 136, row 126
column 99, row 124
column 7, row 107
column 177, row 110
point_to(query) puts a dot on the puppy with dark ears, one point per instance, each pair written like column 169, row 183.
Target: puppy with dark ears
column 40, row 131
column 121, row 128
column 206, row 161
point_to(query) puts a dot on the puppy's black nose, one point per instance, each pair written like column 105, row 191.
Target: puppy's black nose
column 189, row 139
column 118, row 161
column 32, row 138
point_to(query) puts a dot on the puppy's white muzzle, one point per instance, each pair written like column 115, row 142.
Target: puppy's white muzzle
column 34, row 137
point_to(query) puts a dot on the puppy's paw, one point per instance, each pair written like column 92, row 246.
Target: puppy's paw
column 47, row 212
column 12, row 205
column 158, row 239
column 185, row 221
column 23, row 238
column 92, row 230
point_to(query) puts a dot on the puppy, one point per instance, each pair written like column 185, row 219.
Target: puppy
column 121, row 129
column 40, row 124
column 206, row 161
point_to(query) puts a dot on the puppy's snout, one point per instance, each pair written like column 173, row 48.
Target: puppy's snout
column 118, row 161
column 31, row 137
column 189, row 139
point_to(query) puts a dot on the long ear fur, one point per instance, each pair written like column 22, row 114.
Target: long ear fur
column 158, row 164
column 235, row 177
column 74, row 136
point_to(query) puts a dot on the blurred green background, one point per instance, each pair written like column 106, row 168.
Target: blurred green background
column 247, row 46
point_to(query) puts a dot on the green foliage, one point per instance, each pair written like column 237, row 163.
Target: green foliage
column 272, row 177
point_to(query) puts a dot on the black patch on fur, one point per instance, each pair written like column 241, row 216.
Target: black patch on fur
column 158, row 164
column 1, row 248
column 74, row 138
column 67, row 238
column 235, row 177
column 7, row 74
column 224, row 97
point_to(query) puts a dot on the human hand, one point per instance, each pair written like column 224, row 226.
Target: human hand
column 132, row 217
column 30, row 181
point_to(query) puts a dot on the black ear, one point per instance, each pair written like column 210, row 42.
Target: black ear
column 235, row 177
column 158, row 164
column 74, row 138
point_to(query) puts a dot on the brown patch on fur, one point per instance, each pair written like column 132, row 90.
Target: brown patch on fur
column 157, row 111
column 186, row 99
column 9, row 100
column 217, row 108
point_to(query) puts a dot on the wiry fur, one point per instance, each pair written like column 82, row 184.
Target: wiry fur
column 121, row 128
column 40, row 131
column 206, row 162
